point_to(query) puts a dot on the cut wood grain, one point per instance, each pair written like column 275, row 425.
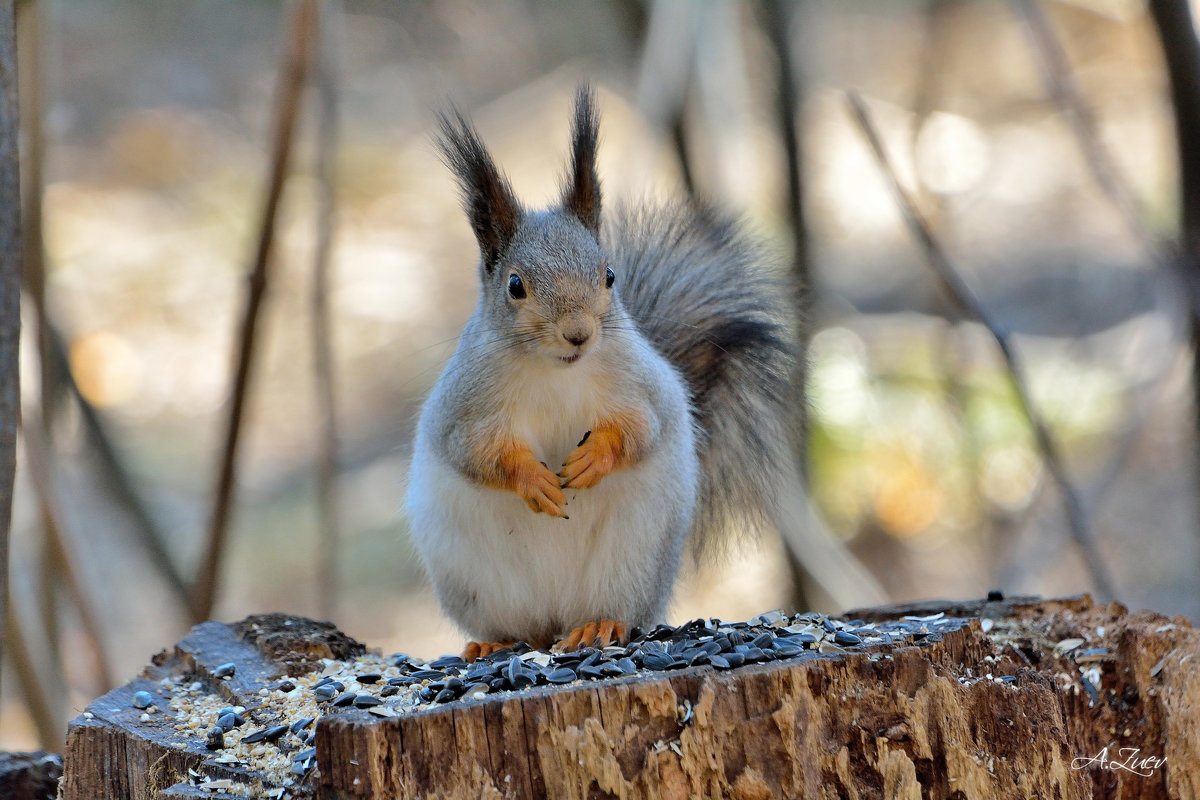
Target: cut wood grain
column 1007, row 699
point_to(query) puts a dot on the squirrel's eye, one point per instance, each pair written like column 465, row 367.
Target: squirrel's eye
column 609, row 277
column 516, row 289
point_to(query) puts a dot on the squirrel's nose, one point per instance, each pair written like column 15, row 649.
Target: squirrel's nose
column 575, row 330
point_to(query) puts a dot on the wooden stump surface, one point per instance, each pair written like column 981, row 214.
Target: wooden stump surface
column 1007, row 699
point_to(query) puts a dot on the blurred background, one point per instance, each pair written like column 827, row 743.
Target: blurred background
column 1037, row 140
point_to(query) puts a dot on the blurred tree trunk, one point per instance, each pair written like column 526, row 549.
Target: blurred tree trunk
column 1181, row 51
column 10, row 281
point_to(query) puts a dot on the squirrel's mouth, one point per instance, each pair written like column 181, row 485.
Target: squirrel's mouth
column 571, row 359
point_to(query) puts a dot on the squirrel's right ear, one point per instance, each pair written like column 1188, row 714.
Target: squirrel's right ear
column 487, row 196
column 581, row 196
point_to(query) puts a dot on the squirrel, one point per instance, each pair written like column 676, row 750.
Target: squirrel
column 623, row 388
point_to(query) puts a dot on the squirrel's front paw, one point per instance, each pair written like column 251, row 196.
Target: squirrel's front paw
column 597, row 455
column 540, row 489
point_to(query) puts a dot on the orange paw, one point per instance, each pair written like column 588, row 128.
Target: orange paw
column 476, row 650
column 597, row 455
column 602, row 633
column 533, row 482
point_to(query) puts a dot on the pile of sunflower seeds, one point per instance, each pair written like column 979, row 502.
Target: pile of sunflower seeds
column 275, row 736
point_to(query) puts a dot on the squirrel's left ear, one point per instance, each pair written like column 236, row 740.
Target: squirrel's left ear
column 581, row 196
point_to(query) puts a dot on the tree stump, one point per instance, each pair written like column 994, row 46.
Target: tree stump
column 992, row 699
column 29, row 776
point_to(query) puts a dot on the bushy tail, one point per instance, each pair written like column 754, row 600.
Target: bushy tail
column 717, row 309
column 726, row 317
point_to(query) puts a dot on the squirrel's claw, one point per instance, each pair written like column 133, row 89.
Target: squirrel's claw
column 541, row 492
column 595, row 457
column 601, row 633
column 475, row 650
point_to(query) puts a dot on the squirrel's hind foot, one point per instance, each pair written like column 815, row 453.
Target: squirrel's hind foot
column 475, row 650
column 602, row 633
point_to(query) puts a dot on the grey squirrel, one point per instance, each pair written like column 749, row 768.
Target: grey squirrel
column 623, row 388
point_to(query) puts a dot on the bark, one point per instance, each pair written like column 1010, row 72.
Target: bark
column 29, row 776
column 10, row 284
column 932, row 720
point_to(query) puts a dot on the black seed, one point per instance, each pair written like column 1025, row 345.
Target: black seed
column 324, row 681
column 344, row 699
column 762, row 641
column 305, row 755
column 498, row 684
column 503, row 654
column 444, row 696
column 271, row 734
column 143, row 700
column 626, row 665
column 657, row 661
column 591, row 657
column 286, row 686
column 388, row 691
column 430, row 674
column 696, row 657
column 736, row 639
column 995, row 596
column 426, row 694
column 257, row 736
column 300, row 767
column 590, row 671
column 312, row 737
column 480, row 670
column 447, row 661
column 215, row 739
column 788, row 650
column 225, row 670
column 636, row 632
column 718, row 661
column 366, row 701
column 455, row 684
column 301, row 724
column 562, row 675
column 846, row 638
column 324, row 693
column 401, row 660
column 403, row 680
column 734, row 659
column 229, row 721
column 828, row 625
column 611, row 669
column 370, row 677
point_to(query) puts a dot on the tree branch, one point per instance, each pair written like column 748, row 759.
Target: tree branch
column 963, row 296
column 287, row 102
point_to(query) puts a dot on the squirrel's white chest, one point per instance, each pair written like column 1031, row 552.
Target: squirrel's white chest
column 552, row 411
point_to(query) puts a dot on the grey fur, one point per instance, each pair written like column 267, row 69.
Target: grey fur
column 717, row 308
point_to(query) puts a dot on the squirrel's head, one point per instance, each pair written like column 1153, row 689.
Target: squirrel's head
column 547, row 284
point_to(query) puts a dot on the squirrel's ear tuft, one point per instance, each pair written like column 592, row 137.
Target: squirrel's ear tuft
column 581, row 196
column 487, row 196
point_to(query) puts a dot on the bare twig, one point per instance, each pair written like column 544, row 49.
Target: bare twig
column 287, row 102
column 323, row 366
column 1064, row 91
column 61, row 546
column 10, row 284
column 963, row 296
column 665, row 77
column 35, row 691
column 113, row 473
